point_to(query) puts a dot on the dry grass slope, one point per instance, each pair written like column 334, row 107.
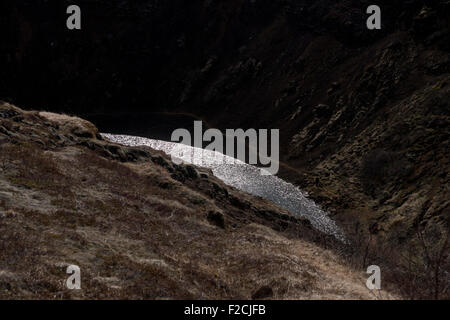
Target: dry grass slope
column 68, row 197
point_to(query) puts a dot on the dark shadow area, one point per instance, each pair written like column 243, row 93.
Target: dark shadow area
column 149, row 125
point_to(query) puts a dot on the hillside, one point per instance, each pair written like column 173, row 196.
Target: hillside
column 123, row 216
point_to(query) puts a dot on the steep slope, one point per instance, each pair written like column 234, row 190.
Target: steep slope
column 139, row 226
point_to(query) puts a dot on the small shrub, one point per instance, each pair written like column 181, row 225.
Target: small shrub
column 415, row 270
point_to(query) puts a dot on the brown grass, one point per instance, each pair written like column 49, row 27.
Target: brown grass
column 136, row 238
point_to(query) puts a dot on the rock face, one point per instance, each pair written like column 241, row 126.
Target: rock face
column 68, row 197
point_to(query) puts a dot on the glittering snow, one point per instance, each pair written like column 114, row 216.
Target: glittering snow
column 242, row 176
